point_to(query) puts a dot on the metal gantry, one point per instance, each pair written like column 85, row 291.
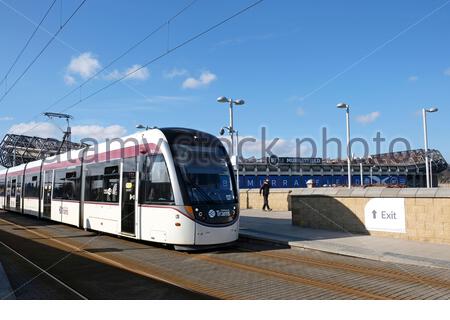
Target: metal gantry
column 18, row 149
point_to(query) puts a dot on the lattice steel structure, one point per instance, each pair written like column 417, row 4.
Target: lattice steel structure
column 17, row 149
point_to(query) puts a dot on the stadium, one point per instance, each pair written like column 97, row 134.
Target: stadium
column 398, row 169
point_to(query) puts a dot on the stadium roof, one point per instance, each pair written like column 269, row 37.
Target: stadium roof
column 18, row 149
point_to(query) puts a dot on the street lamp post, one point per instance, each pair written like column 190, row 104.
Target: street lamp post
column 232, row 131
column 361, row 172
column 431, row 172
column 347, row 116
column 425, row 136
column 371, row 175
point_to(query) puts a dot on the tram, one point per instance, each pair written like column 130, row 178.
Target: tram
column 170, row 185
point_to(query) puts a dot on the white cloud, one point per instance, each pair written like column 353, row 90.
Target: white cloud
column 204, row 80
column 69, row 80
column 98, row 132
column 39, row 129
column 300, row 111
column 413, row 78
column 282, row 148
column 175, row 72
column 114, row 75
column 447, row 72
column 85, row 65
column 6, row 118
column 48, row 130
column 136, row 72
column 368, row 118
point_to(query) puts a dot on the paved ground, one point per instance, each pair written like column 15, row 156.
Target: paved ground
column 277, row 227
column 90, row 278
column 104, row 267
column 5, row 287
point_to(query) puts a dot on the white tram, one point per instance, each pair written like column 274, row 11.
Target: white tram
column 169, row 185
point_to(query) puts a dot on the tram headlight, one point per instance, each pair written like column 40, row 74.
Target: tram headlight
column 201, row 215
column 233, row 213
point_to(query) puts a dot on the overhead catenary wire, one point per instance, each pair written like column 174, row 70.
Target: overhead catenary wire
column 123, row 54
column 169, row 51
column 42, row 50
column 19, row 55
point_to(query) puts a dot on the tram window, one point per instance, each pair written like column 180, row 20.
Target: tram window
column 102, row 183
column 19, row 186
column 13, row 187
column 31, row 186
column 155, row 186
column 66, row 185
column 2, row 187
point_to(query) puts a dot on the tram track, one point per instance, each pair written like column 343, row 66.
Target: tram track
column 153, row 273
column 43, row 271
column 244, row 260
column 377, row 272
column 294, row 278
column 411, row 280
column 178, row 281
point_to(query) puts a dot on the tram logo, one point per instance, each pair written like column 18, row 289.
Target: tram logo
column 211, row 213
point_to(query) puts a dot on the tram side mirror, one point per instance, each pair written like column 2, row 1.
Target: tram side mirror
column 222, row 131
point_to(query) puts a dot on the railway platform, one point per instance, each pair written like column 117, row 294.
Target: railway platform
column 276, row 227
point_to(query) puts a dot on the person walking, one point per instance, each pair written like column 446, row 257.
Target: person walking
column 265, row 190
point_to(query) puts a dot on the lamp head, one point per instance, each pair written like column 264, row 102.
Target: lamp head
column 432, row 110
column 342, row 105
column 239, row 102
column 222, row 99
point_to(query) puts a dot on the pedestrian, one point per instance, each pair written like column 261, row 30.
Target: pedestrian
column 265, row 190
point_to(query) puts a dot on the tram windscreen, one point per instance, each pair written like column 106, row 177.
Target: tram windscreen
column 206, row 173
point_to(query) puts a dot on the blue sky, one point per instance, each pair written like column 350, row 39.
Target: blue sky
column 292, row 62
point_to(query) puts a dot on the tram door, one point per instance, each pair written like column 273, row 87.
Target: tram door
column 129, row 196
column 8, row 195
column 18, row 194
column 47, row 196
column 13, row 203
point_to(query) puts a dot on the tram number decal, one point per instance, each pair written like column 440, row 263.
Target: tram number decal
column 63, row 210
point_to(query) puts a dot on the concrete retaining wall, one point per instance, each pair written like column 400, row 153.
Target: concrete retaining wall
column 278, row 199
column 427, row 211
